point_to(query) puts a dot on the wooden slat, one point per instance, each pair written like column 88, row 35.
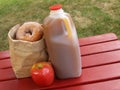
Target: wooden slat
column 5, row 63
column 83, row 41
column 22, row 84
column 101, row 47
column 87, row 61
column 107, row 85
column 4, row 55
column 7, row 74
column 89, row 75
column 101, row 59
column 97, row 39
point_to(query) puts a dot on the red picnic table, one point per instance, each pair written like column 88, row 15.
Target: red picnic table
column 100, row 68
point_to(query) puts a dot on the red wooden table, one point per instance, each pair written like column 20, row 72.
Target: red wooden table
column 101, row 68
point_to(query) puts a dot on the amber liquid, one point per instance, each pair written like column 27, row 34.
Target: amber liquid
column 64, row 51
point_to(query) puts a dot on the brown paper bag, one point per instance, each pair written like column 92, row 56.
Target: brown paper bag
column 24, row 54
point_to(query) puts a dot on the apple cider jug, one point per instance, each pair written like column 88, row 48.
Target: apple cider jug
column 62, row 43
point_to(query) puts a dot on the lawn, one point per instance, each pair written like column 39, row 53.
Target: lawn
column 91, row 17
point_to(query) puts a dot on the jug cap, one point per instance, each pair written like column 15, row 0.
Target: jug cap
column 56, row 7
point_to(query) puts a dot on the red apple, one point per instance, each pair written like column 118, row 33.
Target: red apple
column 42, row 73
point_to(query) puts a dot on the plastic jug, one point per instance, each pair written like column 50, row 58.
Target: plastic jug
column 62, row 43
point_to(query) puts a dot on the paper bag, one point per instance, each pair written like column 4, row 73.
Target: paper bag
column 24, row 54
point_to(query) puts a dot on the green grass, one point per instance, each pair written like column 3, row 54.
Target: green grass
column 91, row 17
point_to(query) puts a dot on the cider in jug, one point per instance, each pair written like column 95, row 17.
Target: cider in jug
column 62, row 43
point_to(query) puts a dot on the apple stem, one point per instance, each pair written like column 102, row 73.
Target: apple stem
column 40, row 66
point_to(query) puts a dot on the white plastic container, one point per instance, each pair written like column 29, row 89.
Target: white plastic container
column 62, row 43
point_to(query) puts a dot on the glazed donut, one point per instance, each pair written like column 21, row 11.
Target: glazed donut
column 30, row 31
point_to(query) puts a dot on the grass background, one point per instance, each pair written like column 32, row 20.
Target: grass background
column 91, row 17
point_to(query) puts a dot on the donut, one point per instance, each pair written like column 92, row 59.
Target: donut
column 30, row 31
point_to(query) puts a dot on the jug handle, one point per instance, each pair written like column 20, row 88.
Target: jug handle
column 66, row 22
